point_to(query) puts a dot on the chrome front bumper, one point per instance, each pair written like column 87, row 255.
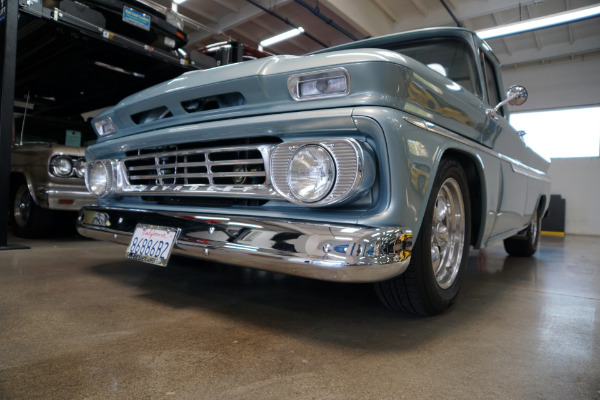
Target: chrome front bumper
column 344, row 253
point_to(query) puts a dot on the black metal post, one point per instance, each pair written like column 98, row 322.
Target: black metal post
column 9, row 14
column 458, row 23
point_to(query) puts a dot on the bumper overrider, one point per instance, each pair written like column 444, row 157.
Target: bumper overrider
column 344, row 253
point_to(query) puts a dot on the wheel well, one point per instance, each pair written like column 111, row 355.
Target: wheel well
column 16, row 178
column 475, row 190
column 541, row 205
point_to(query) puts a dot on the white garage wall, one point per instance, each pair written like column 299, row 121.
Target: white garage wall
column 578, row 181
column 557, row 84
column 562, row 84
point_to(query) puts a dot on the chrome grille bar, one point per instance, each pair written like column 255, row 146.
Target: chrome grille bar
column 194, row 152
column 214, row 175
column 202, row 171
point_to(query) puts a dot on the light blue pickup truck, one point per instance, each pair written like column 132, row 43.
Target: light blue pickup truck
column 381, row 161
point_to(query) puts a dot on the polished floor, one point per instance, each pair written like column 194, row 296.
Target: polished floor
column 78, row 321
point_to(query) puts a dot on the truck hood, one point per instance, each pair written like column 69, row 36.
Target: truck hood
column 255, row 87
column 260, row 68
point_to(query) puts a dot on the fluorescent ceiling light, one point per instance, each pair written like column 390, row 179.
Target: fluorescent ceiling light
column 218, row 44
column 539, row 23
column 282, row 36
column 215, row 48
column 178, row 1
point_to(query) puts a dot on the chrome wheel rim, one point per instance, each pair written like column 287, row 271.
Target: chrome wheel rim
column 22, row 206
column 447, row 233
column 534, row 227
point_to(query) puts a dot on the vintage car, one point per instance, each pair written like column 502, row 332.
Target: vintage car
column 47, row 168
column 134, row 19
column 381, row 161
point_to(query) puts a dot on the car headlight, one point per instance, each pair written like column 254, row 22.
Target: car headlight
column 61, row 166
column 105, row 126
column 320, row 84
column 100, row 177
column 319, row 173
column 311, row 173
column 79, row 167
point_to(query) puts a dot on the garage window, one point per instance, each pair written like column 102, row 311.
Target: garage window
column 562, row 133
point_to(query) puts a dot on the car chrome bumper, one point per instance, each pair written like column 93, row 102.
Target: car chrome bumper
column 344, row 253
column 64, row 197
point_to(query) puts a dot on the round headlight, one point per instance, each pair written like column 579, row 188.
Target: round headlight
column 311, row 173
column 80, row 167
column 61, row 166
column 99, row 178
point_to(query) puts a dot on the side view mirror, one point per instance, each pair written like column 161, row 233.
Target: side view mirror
column 515, row 96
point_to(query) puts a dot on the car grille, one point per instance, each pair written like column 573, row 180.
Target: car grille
column 169, row 165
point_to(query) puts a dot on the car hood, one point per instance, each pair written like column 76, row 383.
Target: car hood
column 40, row 153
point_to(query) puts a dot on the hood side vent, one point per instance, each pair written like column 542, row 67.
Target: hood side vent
column 152, row 115
column 213, row 102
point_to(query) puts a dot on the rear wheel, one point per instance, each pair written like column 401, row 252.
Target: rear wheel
column 525, row 245
column 27, row 218
column 434, row 276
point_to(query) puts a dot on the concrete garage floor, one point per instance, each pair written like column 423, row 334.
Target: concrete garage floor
column 78, row 321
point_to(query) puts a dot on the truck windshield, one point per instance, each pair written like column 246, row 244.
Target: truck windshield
column 449, row 57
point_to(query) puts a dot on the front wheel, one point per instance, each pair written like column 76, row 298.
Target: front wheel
column 434, row 276
column 27, row 218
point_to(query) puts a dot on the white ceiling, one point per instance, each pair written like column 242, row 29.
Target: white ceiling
column 210, row 21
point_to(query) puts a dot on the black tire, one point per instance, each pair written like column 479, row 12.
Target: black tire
column 420, row 290
column 27, row 219
column 525, row 246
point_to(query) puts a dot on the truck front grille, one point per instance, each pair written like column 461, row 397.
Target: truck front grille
column 169, row 165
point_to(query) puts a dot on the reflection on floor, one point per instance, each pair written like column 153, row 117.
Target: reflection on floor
column 77, row 320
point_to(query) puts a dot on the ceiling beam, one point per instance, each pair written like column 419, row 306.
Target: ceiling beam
column 569, row 27
column 464, row 11
column 452, row 4
column 195, row 13
column 549, row 51
column 387, row 10
column 227, row 5
column 536, row 36
column 364, row 16
column 495, row 18
column 419, row 6
column 244, row 14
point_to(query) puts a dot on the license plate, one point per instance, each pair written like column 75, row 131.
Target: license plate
column 152, row 244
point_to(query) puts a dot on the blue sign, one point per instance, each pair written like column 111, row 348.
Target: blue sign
column 134, row 17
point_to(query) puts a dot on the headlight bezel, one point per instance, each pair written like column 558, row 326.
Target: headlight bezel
column 355, row 170
column 106, row 188
column 328, row 77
